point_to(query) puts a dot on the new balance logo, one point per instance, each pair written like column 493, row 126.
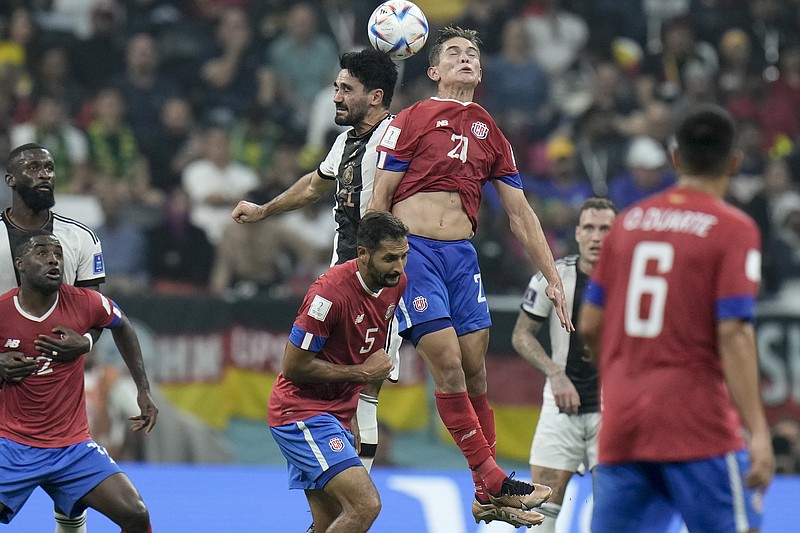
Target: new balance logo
column 12, row 343
column 468, row 435
column 442, row 123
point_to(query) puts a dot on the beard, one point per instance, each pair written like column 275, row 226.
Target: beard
column 35, row 199
column 355, row 113
column 384, row 279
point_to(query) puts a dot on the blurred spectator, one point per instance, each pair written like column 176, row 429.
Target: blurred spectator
column 775, row 182
column 346, row 21
column 783, row 248
column 99, row 57
column 71, row 17
column 114, row 155
column 600, row 147
column 682, row 54
column 16, row 50
column 516, row 88
column 647, row 174
column 770, row 26
column 252, row 260
column 780, row 114
column 179, row 255
column 123, row 244
column 54, row 76
column 215, row 183
column 750, row 180
column 254, row 138
column 738, row 74
column 561, row 192
column 227, row 76
column 51, row 128
column 559, row 36
column 145, row 88
column 485, row 16
column 305, row 59
column 176, row 145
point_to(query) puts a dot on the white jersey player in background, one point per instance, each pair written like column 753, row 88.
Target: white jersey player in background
column 565, row 441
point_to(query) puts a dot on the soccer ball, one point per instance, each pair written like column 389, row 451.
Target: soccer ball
column 399, row 28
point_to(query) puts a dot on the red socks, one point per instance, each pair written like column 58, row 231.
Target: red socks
column 486, row 419
column 458, row 415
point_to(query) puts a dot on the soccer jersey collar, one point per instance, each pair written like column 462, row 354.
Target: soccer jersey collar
column 367, row 289
column 34, row 318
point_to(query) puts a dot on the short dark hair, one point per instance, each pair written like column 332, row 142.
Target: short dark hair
column 24, row 242
column 447, row 33
column 705, row 140
column 374, row 69
column 378, row 226
column 597, row 202
column 19, row 150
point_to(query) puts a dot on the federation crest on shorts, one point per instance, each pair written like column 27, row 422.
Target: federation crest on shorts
column 336, row 444
column 389, row 311
column 480, row 130
column 420, row 304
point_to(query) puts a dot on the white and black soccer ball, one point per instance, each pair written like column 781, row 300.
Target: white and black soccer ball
column 399, row 28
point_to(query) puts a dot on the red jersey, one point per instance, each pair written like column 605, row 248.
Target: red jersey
column 48, row 409
column 344, row 322
column 671, row 267
column 447, row 145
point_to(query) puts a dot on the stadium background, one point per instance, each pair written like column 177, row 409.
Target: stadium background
column 213, row 354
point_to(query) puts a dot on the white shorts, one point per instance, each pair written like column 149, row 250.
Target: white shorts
column 565, row 442
column 395, row 340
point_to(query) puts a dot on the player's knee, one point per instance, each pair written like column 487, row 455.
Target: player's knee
column 370, row 507
column 136, row 518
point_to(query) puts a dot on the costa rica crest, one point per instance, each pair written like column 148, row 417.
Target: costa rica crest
column 480, row 130
column 336, row 444
column 420, row 304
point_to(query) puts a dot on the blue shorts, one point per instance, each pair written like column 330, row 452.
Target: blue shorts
column 710, row 495
column 316, row 449
column 66, row 474
column 444, row 281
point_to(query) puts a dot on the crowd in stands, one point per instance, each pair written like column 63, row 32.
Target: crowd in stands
column 165, row 113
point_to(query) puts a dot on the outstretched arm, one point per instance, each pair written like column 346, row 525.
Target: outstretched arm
column 128, row 346
column 529, row 348
column 304, row 366
column 737, row 347
column 304, row 191
column 526, row 228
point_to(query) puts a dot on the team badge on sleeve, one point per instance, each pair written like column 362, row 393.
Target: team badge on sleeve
column 420, row 304
column 389, row 311
column 319, row 308
column 480, row 130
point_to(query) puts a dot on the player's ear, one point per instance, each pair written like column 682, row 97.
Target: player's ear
column 377, row 97
column 734, row 163
column 363, row 255
column 9, row 180
column 433, row 73
column 675, row 159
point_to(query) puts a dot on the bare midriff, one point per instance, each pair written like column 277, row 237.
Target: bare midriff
column 435, row 215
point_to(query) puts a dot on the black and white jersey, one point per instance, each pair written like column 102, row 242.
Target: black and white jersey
column 83, row 255
column 351, row 161
column 567, row 349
